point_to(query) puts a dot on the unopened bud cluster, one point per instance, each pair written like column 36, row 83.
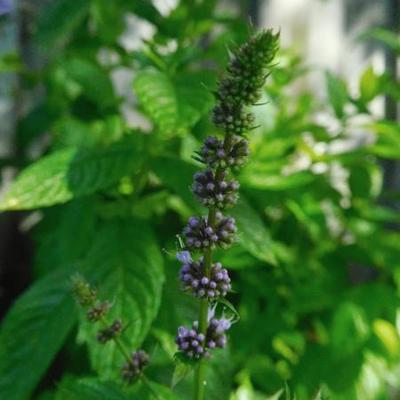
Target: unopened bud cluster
column 132, row 369
column 215, row 189
column 110, row 332
column 97, row 312
column 213, row 153
column 196, row 344
column 199, row 234
column 212, row 190
column 193, row 280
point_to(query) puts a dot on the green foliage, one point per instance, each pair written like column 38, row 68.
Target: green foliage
column 173, row 104
column 316, row 266
column 71, row 173
column 33, row 332
column 89, row 389
column 129, row 271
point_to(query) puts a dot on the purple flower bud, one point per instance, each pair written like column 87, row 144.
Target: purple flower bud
column 204, row 280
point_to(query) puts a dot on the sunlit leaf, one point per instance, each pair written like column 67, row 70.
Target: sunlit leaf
column 71, row 173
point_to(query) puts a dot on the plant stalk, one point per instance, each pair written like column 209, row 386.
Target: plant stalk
column 200, row 373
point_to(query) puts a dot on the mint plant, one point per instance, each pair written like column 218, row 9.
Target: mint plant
column 315, row 255
column 214, row 189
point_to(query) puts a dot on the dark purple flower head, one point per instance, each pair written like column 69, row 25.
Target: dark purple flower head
column 200, row 235
column 196, row 345
column 194, row 280
column 191, row 342
column 234, row 154
column 215, row 190
column 132, row 369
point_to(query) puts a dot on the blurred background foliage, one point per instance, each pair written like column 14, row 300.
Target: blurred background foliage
column 104, row 189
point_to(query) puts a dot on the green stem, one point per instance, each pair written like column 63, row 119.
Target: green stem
column 200, row 373
column 117, row 341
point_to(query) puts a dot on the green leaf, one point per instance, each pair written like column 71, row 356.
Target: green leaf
column 89, row 389
column 89, row 79
column 252, row 233
column 163, row 392
column 229, row 306
column 369, row 84
column 55, row 232
column 183, row 367
column 33, row 332
column 156, row 93
column 337, row 93
column 193, row 93
column 385, row 36
column 388, row 140
column 71, row 173
column 348, row 318
column 126, row 266
column 173, row 104
column 58, row 22
column 176, row 175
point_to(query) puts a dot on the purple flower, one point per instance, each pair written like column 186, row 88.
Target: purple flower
column 193, row 279
column 214, row 190
column 5, row 6
column 199, row 235
column 217, row 153
column 197, row 345
column 184, row 256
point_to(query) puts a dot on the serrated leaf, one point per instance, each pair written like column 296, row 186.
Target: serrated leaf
column 71, row 173
column 33, row 332
column 126, row 266
column 173, row 104
column 58, row 21
column 156, row 93
column 89, row 389
column 193, row 93
column 252, row 233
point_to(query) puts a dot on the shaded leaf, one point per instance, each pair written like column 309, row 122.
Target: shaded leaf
column 33, row 332
column 177, row 175
column 183, row 367
column 252, row 233
column 58, row 21
column 126, row 266
column 89, row 389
